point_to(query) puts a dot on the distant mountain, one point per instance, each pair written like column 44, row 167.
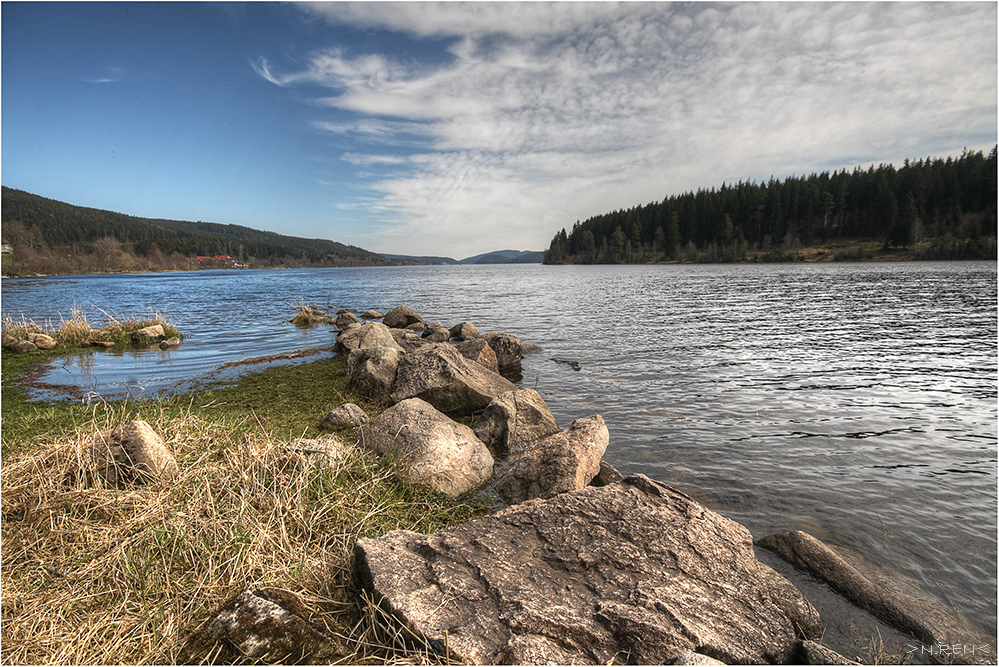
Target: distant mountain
column 506, row 257
column 54, row 235
column 413, row 259
column 495, row 257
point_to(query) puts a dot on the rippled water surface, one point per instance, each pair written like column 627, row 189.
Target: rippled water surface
column 854, row 401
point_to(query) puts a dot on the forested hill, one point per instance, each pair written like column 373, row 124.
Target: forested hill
column 52, row 237
column 931, row 209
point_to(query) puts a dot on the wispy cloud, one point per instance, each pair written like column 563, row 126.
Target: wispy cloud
column 111, row 75
column 546, row 113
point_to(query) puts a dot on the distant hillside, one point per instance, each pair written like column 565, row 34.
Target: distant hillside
column 495, row 257
column 506, row 257
column 414, row 259
column 51, row 237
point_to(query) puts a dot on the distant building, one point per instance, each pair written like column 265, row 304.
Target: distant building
column 212, row 262
column 6, row 248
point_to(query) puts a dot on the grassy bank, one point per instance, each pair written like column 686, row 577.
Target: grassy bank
column 105, row 575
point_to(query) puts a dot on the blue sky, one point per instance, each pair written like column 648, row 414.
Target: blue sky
column 459, row 128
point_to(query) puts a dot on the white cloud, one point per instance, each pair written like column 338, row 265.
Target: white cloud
column 550, row 112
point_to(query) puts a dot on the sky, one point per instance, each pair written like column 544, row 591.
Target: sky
column 460, row 128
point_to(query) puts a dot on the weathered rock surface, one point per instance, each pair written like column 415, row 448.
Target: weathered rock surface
column 478, row 350
column 270, row 625
column 435, row 451
column 344, row 319
column 346, row 415
column 608, row 475
column 692, row 658
column 369, row 334
column 401, row 317
column 7, row 341
column 150, row 334
column 566, row 461
column 514, row 419
column 170, row 342
column 636, row 572
column 934, row 626
column 436, row 333
column 508, row 349
column 814, row 653
column 372, row 315
column 22, row 346
column 372, row 370
column 42, row 341
column 464, row 331
column 132, row 453
column 451, row 383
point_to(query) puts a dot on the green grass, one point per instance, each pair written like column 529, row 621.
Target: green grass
column 105, row 575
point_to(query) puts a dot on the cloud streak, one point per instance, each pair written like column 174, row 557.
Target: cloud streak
column 547, row 113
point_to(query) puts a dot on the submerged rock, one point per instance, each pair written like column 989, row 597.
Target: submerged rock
column 932, row 626
column 634, row 572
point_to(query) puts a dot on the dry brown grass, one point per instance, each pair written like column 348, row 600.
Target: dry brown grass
column 77, row 330
column 110, row 576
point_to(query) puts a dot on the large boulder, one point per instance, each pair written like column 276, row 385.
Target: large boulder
column 508, row 349
column 634, row 572
column 401, row 317
column 566, row 461
column 132, row 453
column 441, row 376
column 434, row 450
column 514, row 419
column 369, row 334
column 478, row 350
column 372, row 370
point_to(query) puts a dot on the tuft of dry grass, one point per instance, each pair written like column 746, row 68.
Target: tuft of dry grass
column 98, row 575
column 309, row 314
column 77, row 330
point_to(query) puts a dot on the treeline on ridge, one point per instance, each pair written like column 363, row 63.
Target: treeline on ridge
column 932, row 209
column 52, row 237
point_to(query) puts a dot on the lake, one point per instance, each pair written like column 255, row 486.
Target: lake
column 853, row 401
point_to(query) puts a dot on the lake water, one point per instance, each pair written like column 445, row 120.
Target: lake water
column 853, row 401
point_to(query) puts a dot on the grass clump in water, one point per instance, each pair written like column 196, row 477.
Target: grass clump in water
column 77, row 330
column 106, row 575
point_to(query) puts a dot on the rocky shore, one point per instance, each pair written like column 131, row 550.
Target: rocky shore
column 575, row 565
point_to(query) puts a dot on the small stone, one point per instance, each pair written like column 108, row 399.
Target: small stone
column 347, row 415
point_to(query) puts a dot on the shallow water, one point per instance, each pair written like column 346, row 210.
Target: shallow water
column 854, row 401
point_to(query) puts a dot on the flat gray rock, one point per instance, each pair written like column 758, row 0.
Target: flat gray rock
column 636, row 572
